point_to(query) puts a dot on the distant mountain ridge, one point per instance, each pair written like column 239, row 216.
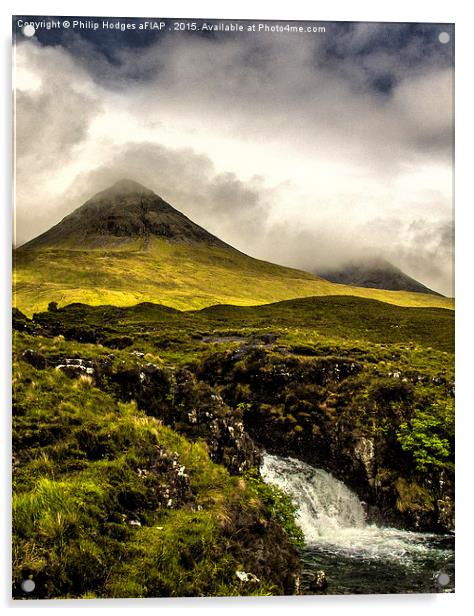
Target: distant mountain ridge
column 374, row 273
column 126, row 245
column 122, row 213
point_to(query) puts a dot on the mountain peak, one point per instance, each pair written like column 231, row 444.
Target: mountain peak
column 126, row 186
column 375, row 272
column 122, row 213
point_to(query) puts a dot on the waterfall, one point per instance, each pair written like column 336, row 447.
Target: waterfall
column 332, row 517
column 325, row 504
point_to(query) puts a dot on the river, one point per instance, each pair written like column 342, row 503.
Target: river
column 358, row 558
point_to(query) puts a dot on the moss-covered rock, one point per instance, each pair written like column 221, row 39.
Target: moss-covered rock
column 110, row 502
column 370, row 426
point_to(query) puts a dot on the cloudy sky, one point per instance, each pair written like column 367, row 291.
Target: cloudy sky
column 304, row 149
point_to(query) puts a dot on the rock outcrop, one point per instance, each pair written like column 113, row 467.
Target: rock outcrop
column 322, row 411
column 190, row 406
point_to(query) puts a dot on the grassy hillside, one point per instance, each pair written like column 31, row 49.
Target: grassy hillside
column 109, row 502
column 176, row 275
column 336, row 320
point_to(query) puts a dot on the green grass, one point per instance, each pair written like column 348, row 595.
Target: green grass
column 86, row 466
column 80, row 453
column 176, row 275
column 303, row 325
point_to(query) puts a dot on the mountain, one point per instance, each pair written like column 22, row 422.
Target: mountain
column 125, row 212
column 126, row 245
column 374, row 273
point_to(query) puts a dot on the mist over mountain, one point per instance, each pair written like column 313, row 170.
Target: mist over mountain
column 374, row 273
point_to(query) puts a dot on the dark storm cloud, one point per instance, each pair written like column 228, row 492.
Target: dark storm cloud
column 267, row 84
column 413, row 45
column 349, row 85
column 107, row 42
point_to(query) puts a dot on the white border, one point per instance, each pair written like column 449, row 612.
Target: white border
column 351, row 10
column 436, row 11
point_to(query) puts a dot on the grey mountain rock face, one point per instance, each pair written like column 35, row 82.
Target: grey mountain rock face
column 125, row 212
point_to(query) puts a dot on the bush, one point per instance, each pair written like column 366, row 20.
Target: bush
column 278, row 505
column 429, row 435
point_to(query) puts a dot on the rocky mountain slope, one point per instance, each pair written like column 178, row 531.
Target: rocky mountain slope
column 123, row 213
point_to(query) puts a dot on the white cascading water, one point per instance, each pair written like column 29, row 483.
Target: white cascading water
column 332, row 517
column 325, row 505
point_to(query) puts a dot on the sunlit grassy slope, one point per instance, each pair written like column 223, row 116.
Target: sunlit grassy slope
column 177, row 275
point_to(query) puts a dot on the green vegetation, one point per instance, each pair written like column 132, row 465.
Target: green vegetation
column 396, row 396
column 307, row 327
column 429, row 434
column 109, row 502
column 178, row 275
column 117, row 489
column 279, row 505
